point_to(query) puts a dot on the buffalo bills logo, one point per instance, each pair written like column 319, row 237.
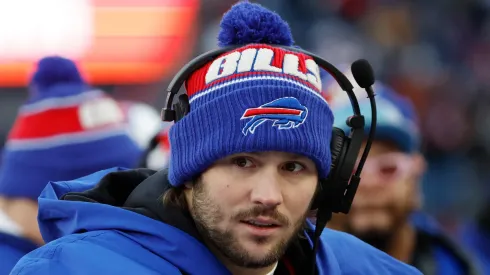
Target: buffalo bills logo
column 286, row 113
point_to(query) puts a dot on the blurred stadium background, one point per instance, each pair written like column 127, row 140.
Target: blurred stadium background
column 435, row 52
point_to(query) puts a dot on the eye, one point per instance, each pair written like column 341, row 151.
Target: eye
column 293, row 167
column 388, row 169
column 243, row 162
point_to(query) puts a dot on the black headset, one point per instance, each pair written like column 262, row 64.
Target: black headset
column 336, row 192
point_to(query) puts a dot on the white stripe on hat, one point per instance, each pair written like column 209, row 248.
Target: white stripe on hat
column 65, row 139
column 59, row 102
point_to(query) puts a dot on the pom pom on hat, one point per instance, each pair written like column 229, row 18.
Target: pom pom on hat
column 54, row 70
column 56, row 76
column 247, row 23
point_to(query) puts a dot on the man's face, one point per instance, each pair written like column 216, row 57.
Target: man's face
column 249, row 206
column 387, row 194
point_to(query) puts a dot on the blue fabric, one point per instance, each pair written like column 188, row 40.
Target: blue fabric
column 24, row 173
column 55, row 77
column 478, row 243
column 214, row 128
column 447, row 261
column 396, row 118
column 12, row 248
column 55, row 70
column 118, row 241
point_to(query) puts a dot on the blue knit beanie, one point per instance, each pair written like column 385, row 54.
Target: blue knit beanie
column 64, row 131
column 255, row 98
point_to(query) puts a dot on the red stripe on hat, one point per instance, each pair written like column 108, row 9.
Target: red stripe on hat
column 277, row 60
column 48, row 123
column 267, row 111
column 197, row 83
column 95, row 115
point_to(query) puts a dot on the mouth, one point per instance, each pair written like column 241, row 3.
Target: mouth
column 262, row 223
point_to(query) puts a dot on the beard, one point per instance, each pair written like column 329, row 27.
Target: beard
column 381, row 238
column 207, row 215
column 376, row 238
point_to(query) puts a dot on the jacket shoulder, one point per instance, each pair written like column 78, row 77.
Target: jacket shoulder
column 357, row 257
column 9, row 257
column 86, row 254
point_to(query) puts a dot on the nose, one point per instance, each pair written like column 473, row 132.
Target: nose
column 370, row 181
column 267, row 189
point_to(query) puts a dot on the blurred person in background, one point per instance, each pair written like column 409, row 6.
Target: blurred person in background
column 64, row 131
column 386, row 211
column 476, row 236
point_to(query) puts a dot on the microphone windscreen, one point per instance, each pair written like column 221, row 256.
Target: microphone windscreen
column 363, row 73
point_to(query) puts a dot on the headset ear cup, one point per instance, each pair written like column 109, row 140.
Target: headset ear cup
column 337, row 149
column 336, row 146
column 182, row 107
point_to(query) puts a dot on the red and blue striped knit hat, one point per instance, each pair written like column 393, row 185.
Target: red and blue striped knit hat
column 64, row 131
column 255, row 98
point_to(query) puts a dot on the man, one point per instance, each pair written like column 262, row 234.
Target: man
column 236, row 194
column 385, row 212
column 65, row 130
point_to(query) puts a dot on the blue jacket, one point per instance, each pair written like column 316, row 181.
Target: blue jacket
column 12, row 248
column 477, row 240
column 436, row 253
column 119, row 226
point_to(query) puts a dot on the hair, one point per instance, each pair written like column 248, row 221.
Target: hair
column 175, row 197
